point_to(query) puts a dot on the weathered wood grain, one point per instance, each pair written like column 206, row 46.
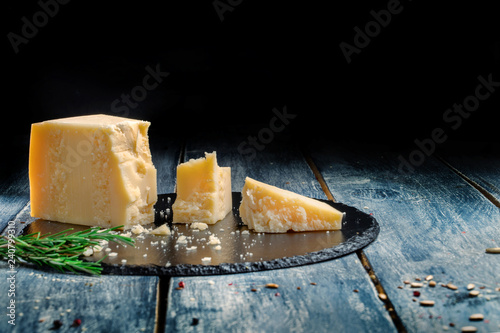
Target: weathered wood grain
column 107, row 303
column 479, row 162
column 331, row 305
column 14, row 194
column 432, row 223
column 228, row 304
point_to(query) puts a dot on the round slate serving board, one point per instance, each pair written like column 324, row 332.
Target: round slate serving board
column 241, row 250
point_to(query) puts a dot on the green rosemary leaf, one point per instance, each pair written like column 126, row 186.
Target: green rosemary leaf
column 61, row 250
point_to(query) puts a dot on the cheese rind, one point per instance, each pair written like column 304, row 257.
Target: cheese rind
column 203, row 191
column 266, row 208
column 92, row 170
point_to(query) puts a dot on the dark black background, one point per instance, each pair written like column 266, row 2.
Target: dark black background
column 228, row 75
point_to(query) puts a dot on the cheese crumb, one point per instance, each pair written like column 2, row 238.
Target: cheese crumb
column 139, row 229
column 206, row 259
column 182, row 240
column 162, row 230
column 198, row 225
column 213, row 240
column 97, row 248
column 88, row 251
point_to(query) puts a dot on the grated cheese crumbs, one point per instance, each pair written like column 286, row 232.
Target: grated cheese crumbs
column 213, row 240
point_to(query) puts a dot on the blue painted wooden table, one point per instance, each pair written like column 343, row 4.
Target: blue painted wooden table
column 436, row 223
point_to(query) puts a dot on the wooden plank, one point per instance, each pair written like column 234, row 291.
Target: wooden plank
column 330, row 305
column 14, row 195
column 107, row 303
column 432, row 223
column 227, row 303
column 478, row 162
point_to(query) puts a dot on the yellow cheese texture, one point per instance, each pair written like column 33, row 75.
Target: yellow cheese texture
column 266, row 208
column 93, row 170
column 203, row 191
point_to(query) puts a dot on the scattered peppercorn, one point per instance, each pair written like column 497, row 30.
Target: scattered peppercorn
column 57, row 324
column 195, row 321
column 416, row 293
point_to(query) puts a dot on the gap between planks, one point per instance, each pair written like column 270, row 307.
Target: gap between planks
column 162, row 304
column 164, row 281
column 474, row 184
column 361, row 255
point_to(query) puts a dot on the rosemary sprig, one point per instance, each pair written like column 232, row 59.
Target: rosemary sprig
column 61, row 251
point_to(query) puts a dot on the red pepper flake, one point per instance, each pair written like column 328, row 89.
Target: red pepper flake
column 416, row 293
column 231, row 284
column 452, row 325
column 486, row 321
column 76, row 322
column 182, row 285
column 277, row 294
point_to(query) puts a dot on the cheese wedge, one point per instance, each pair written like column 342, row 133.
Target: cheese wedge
column 266, row 208
column 93, row 170
column 203, row 191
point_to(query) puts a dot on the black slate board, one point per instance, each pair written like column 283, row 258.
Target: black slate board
column 241, row 250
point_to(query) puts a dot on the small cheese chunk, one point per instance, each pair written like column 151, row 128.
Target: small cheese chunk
column 92, row 170
column 266, row 208
column 199, row 226
column 203, row 191
column 162, row 230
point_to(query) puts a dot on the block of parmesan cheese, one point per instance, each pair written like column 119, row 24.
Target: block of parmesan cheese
column 93, row 170
column 203, row 191
column 266, row 208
